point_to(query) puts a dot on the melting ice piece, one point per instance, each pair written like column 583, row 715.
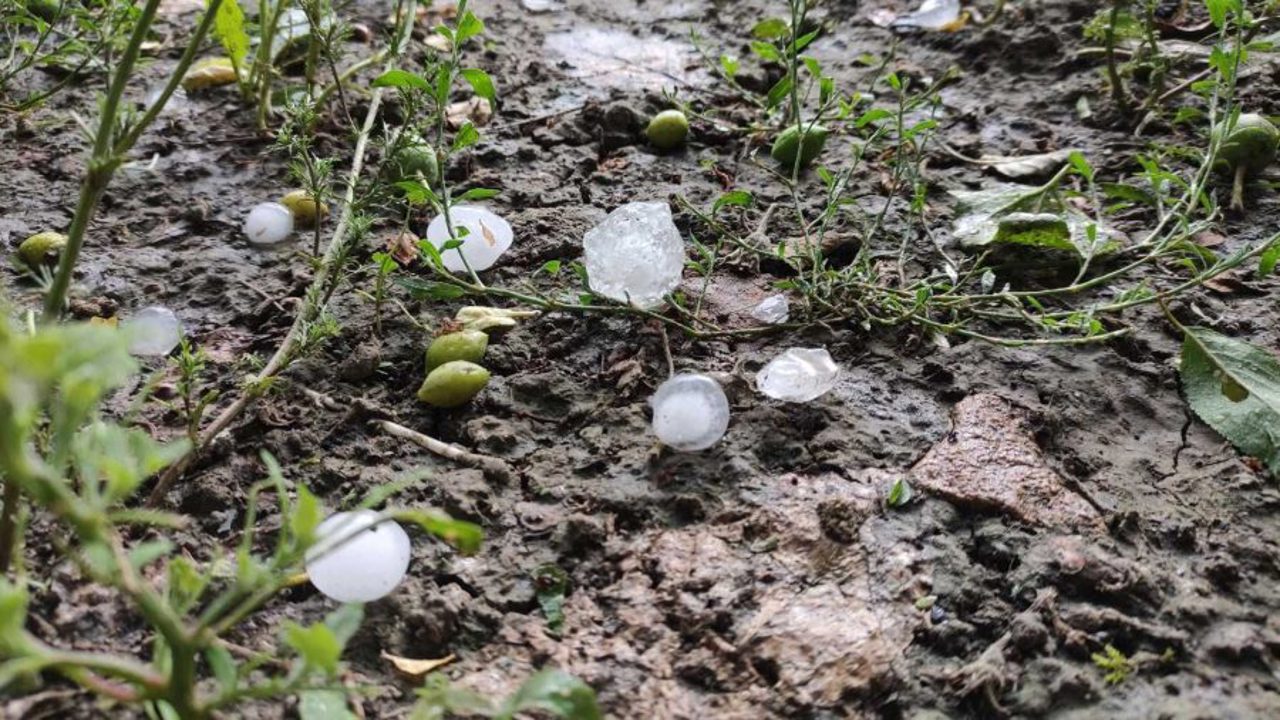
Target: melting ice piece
column 931, row 15
column 153, row 331
column 798, row 375
column 690, row 412
column 268, row 223
column 635, row 254
column 364, row 567
column 487, row 237
column 772, row 310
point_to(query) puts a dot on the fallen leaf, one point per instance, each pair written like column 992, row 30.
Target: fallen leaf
column 403, row 247
column 1208, row 239
column 488, row 234
column 1028, row 166
column 475, row 110
column 415, row 668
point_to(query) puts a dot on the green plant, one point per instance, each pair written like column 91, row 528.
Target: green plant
column 1115, row 664
column 82, row 471
column 194, row 396
column 551, row 692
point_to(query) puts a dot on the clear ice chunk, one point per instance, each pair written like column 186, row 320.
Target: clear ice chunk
column 355, row 560
column 773, row 310
column 153, row 331
column 798, row 375
column 487, row 237
column 635, row 254
column 268, row 223
column 690, row 412
column 931, row 15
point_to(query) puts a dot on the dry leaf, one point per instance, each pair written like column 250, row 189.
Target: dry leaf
column 475, row 109
column 415, row 668
column 1028, row 166
column 108, row 321
column 438, row 42
column 403, row 247
column 1208, row 239
column 488, row 234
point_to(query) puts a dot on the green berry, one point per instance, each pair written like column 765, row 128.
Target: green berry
column 466, row 345
column 42, row 249
column 453, row 384
column 668, row 129
column 789, row 144
column 1251, row 144
column 305, row 209
column 414, row 159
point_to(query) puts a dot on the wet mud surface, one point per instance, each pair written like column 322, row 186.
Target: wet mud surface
column 1065, row 498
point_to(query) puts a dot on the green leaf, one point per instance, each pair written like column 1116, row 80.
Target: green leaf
column 427, row 290
column 730, row 65
column 465, row 536
column 222, row 666
column 324, row 705
column 345, row 621
column 551, row 267
column 437, row 699
column 771, row 29
column 416, row 193
column 145, row 553
column 481, row 84
column 466, row 137
column 1234, row 387
column 186, row 583
column 1267, row 262
column 555, row 692
column 228, row 27
column 870, row 116
column 468, row 27
column 779, row 92
column 402, row 79
column 13, row 611
column 1218, row 10
column 551, row 583
column 766, row 51
column 735, row 198
column 900, row 493
column 477, row 194
column 305, row 517
column 316, row 645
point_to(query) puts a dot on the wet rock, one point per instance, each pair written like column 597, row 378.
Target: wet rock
column 1240, row 642
column 361, row 363
column 990, row 462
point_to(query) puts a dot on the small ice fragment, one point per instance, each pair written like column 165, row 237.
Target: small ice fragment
column 932, row 15
column 486, row 238
column 153, row 331
column 364, row 567
column 541, row 6
column 690, row 412
column 798, row 375
column 772, row 310
column 268, row 223
column 635, row 254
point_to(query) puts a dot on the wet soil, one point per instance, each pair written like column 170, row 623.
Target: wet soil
column 1065, row 498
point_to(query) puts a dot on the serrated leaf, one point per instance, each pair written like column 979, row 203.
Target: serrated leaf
column 1234, row 387
column 415, row 668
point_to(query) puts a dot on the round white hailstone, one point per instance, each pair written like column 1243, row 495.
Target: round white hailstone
column 268, row 223
column 363, row 568
column 487, row 237
column 690, row 412
column 153, row 331
column 798, row 375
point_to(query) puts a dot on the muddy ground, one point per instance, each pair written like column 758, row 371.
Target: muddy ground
column 1066, row 499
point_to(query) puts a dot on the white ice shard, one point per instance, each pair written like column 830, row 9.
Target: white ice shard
column 487, row 237
column 635, row 254
column 153, row 331
column 798, row 375
column 931, row 15
column 268, row 223
column 773, row 310
column 354, row 560
column 690, row 412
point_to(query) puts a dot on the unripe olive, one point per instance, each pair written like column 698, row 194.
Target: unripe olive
column 453, row 384
column 466, row 345
column 305, row 209
column 668, row 129
column 42, row 249
column 789, row 144
column 1251, row 144
column 209, row 73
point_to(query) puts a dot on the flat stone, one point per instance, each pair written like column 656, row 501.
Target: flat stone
column 990, row 461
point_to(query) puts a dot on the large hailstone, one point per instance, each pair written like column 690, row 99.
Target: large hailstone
column 153, row 332
column 798, row 375
column 487, row 237
column 635, row 254
column 268, row 223
column 773, row 310
column 690, row 412
column 367, row 566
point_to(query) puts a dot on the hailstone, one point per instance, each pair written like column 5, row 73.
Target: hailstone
column 798, row 375
column 690, row 412
column 487, row 237
column 268, row 223
column 153, row 331
column 354, row 560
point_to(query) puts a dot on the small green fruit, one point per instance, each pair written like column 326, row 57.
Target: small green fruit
column 453, row 384
column 305, row 209
column 789, row 144
column 414, row 159
column 1251, row 144
column 466, row 345
column 42, row 249
column 668, row 129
